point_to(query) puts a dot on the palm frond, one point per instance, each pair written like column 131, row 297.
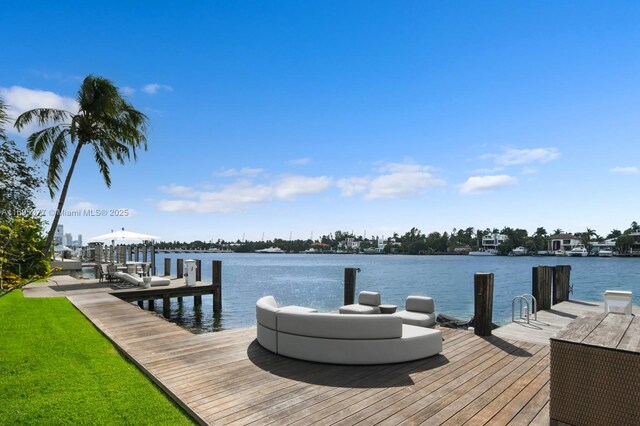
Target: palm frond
column 56, row 159
column 42, row 117
column 39, row 141
column 99, row 156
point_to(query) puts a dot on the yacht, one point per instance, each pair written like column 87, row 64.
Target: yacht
column 605, row 252
column 271, row 250
column 560, row 253
column 578, row 251
column 483, row 252
column 519, row 251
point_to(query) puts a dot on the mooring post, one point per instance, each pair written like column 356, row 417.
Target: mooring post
column 152, row 304
column 180, row 269
column 140, row 304
column 180, row 299
column 166, row 306
column 167, row 267
column 198, row 270
column 152, row 269
column 350, row 285
column 541, row 286
column 561, row 283
column 216, row 281
column 197, row 300
column 144, row 253
column 483, row 303
column 136, row 250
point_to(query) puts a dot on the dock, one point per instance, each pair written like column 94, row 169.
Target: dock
column 228, row 378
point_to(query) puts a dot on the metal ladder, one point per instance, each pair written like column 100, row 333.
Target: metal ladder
column 529, row 308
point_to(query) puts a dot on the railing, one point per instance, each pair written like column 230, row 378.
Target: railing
column 529, row 308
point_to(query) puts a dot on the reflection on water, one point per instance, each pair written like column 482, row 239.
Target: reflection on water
column 317, row 281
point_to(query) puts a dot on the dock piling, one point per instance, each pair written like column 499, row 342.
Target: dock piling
column 198, row 270
column 179, row 268
column 483, row 303
column 166, row 306
column 216, row 281
column 167, row 267
column 561, row 283
column 350, row 285
column 541, row 286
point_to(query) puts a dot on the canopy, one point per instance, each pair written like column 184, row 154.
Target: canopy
column 59, row 248
column 122, row 236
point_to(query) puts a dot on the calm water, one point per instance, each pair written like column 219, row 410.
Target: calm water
column 317, row 281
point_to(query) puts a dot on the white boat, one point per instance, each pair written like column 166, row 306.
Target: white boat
column 519, row 251
column 560, row 253
column 482, row 252
column 578, row 251
column 271, row 250
column 605, row 252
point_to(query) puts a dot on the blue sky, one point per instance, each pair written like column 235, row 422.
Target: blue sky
column 293, row 118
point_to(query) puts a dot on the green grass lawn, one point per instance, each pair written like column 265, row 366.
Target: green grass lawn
column 56, row 368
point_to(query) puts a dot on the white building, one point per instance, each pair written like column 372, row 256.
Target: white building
column 58, row 235
column 68, row 240
column 491, row 242
column 563, row 242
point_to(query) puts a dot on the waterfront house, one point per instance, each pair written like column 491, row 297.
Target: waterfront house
column 609, row 244
column 349, row 244
column 563, row 242
column 491, row 242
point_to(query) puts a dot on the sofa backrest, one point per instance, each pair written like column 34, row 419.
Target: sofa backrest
column 420, row 304
column 371, row 298
column 340, row 326
column 266, row 309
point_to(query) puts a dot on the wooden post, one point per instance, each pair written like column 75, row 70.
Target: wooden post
column 216, row 281
column 137, row 254
column 350, row 285
column 167, row 267
column 180, row 268
column 197, row 300
column 561, row 283
column 152, row 270
column 166, row 306
column 483, row 303
column 541, row 286
column 140, row 304
column 198, row 270
column 152, row 304
column 144, row 253
column 180, row 300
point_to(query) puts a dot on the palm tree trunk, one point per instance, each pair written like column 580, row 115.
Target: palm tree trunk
column 63, row 196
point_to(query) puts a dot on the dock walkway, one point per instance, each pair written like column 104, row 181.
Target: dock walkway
column 228, row 378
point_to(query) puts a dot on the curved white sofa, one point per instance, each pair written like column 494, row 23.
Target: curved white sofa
column 303, row 333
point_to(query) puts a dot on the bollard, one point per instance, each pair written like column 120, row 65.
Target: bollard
column 483, row 303
column 541, row 286
column 561, row 283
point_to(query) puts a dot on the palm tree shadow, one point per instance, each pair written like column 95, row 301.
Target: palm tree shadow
column 507, row 346
column 347, row 376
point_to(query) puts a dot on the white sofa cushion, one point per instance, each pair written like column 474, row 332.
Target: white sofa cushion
column 359, row 309
column 415, row 343
column 371, row 298
column 419, row 319
column 266, row 308
column 420, row 304
column 340, row 326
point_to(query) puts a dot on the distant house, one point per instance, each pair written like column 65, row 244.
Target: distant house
column 606, row 244
column 349, row 244
column 563, row 242
column 491, row 242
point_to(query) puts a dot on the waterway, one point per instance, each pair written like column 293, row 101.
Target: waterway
column 317, row 281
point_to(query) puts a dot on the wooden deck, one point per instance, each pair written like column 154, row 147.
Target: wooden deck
column 228, row 378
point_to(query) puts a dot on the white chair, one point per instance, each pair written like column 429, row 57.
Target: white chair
column 419, row 310
column 368, row 303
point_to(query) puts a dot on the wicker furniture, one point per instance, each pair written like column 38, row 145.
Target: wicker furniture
column 595, row 371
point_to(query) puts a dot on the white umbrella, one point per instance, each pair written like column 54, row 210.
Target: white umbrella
column 122, row 236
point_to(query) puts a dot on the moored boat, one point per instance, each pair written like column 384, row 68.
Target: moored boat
column 483, row 252
column 605, row 252
column 519, row 251
column 270, row 250
column 578, row 251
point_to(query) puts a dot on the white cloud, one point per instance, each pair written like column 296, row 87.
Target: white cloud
column 401, row 180
column 481, row 184
column 353, row 185
column 524, row 156
column 127, row 91
column 153, row 88
column 172, row 189
column 243, row 193
column 292, row 186
column 20, row 99
column 529, row 171
column 299, row 161
column 85, row 205
column 245, row 171
column 630, row 170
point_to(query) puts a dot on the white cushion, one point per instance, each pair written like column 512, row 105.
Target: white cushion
column 420, row 304
column 338, row 326
column 266, row 308
column 371, row 298
column 359, row 309
column 419, row 319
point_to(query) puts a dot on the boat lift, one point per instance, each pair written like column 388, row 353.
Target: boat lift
column 526, row 308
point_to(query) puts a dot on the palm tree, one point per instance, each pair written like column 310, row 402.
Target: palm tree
column 104, row 121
